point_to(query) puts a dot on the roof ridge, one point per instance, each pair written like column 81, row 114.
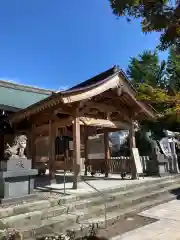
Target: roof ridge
column 97, row 78
column 23, row 87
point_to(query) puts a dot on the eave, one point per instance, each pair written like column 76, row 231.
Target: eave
column 116, row 80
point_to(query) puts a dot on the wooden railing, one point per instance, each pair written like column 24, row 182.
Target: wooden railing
column 120, row 164
column 123, row 164
column 117, row 164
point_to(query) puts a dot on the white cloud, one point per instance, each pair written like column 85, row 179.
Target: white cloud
column 62, row 88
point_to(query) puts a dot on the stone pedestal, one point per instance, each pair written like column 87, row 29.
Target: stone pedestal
column 162, row 165
column 162, row 169
column 16, row 179
column 158, row 165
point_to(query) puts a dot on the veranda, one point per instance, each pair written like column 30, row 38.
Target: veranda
column 103, row 104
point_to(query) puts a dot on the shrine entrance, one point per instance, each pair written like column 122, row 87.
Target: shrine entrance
column 106, row 102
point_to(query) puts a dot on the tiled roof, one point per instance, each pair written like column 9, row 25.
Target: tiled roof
column 95, row 79
column 101, row 77
column 16, row 96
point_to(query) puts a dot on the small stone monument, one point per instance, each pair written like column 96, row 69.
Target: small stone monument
column 16, row 173
column 161, row 160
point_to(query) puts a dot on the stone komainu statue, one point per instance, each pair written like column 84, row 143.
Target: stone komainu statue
column 17, row 149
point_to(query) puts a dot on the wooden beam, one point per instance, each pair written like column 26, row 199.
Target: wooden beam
column 104, row 123
column 64, row 122
column 116, row 107
column 58, row 124
column 106, row 108
column 63, row 109
column 100, row 106
column 42, row 118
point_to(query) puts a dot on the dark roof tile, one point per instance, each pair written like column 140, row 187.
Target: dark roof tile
column 96, row 79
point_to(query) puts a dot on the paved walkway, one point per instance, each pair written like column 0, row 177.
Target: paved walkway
column 167, row 227
column 99, row 181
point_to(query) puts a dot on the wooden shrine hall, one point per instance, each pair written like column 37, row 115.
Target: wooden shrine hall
column 102, row 104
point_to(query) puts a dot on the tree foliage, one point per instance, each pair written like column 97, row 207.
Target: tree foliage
column 147, row 68
column 173, row 70
column 158, row 84
column 156, row 15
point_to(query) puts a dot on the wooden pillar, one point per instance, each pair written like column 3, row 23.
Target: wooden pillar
column 1, row 146
column 66, row 154
column 52, row 134
column 28, row 145
column 107, row 153
column 76, row 150
column 132, row 144
column 85, row 149
column 50, row 149
column 33, row 145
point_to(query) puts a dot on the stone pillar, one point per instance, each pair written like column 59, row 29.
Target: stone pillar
column 77, row 164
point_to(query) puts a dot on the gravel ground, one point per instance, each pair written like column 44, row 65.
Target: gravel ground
column 125, row 225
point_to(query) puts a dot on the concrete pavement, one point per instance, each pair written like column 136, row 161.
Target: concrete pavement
column 99, row 182
column 167, row 226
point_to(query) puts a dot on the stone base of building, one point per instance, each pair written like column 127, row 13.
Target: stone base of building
column 16, row 179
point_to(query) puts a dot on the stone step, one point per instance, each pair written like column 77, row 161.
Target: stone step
column 94, row 201
column 49, row 215
column 122, row 204
column 98, row 221
column 61, row 200
column 31, row 218
column 24, row 208
column 36, row 216
column 112, row 217
column 115, row 200
column 133, row 186
column 81, row 210
column 51, row 224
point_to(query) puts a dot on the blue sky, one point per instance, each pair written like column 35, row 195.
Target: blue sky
column 58, row 43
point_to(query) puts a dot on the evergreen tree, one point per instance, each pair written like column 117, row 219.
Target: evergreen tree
column 173, row 70
column 147, row 68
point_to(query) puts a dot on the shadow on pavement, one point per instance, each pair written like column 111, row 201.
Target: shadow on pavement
column 176, row 192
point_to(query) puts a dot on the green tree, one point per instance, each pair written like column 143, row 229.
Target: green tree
column 173, row 70
column 147, row 68
column 156, row 15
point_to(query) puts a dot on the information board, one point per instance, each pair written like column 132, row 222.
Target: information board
column 137, row 160
column 96, row 147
